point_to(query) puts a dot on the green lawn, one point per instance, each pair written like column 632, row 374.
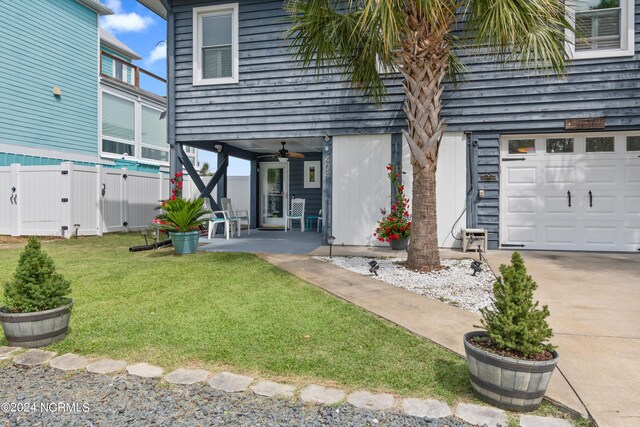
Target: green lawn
column 231, row 310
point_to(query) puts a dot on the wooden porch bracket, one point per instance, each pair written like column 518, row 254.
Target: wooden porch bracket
column 205, row 190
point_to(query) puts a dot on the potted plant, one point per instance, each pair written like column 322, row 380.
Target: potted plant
column 395, row 228
column 37, row 309
column 182, row 220
column 511, row 363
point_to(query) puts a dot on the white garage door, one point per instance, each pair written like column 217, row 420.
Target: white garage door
column 571, row 192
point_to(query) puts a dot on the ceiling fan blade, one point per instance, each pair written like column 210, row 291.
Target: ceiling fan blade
column 268, row 155
column 294, row 155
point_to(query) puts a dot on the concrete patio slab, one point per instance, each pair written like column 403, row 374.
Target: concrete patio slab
column 230, row 383
column 69, row 362
column 145, row 370
column 106, row 366
column 270, row 389
column 261, row 241
column 7, row 352
column 481, row 415
column 441, row 323
column 594, row 300
column 34, row 357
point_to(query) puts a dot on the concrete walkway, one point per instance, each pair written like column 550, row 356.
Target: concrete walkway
column 610, row 403
column 594, row 301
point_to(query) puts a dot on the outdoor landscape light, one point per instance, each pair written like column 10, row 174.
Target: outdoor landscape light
column 476, row 266
column 374, row 267
column 77, row 227
column 330, row 241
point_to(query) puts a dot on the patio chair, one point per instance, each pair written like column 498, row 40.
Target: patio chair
column 296, row 212
column 216, row 218
column 236, row 217
column 215, row 221
column 320, row 220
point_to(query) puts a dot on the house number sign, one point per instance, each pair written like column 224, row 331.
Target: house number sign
column 581, row 124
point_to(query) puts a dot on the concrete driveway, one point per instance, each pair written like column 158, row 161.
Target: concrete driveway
column 594, row 299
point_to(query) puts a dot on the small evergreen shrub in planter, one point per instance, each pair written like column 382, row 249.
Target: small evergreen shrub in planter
column 511, row 363
column 38, row 308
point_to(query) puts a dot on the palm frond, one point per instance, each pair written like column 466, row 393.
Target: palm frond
column 532, row 32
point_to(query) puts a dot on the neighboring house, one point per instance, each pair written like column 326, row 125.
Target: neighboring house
column 541, row 163
column 69, row 91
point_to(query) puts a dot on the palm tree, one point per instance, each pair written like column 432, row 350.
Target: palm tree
column 421, row 39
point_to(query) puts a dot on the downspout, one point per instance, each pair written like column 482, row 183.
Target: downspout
column 471, row 185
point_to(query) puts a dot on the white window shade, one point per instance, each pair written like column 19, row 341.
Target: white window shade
column 154, row 130
column 118, row 117
column 217, row 57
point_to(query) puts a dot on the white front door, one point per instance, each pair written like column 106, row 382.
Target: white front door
column 274, row 190
column 571, row 192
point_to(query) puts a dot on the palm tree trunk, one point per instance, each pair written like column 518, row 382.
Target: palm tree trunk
column 425, row 58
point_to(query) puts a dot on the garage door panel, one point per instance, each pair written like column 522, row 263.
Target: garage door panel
column 580, row 201
column 560, row 175
column 632, row 174
column 523, row 175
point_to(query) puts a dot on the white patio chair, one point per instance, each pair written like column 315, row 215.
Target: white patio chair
column 296, row 212
column 215, row 220
column 236, row 217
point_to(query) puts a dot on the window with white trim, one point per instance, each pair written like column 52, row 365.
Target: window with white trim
column 118, row 125
column 215, row 44
column 603, row 28
column 130, row 126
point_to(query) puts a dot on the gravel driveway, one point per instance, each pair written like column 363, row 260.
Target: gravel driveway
column 49, row 397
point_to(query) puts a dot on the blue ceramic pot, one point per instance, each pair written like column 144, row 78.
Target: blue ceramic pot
column 185, row 243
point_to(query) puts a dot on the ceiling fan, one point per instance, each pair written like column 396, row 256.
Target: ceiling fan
column 283, row 154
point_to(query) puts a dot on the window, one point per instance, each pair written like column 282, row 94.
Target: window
column 215, row 44
column 154, row 135
column 600, row 144
column 133, row 127
column 522, row 146
column 603, row 28
column 560, row 145
column 633, row 143
column 118, row 125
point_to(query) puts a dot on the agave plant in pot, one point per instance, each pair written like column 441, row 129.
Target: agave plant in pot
column 38, row 308
column 395, row 228
column 511, row 363
column 182, row 219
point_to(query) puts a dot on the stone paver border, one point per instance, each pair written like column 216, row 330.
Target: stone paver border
column 230, row 383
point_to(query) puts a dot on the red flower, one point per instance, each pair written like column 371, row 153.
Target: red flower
column 406, row 213
column 179, row 174
column 375, row 234
column 179, row 185
column 381, row 239
column 173, row 181
column 393, row 207
column 401, row 188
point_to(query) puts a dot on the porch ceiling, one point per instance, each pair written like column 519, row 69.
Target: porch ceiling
column 301, row 145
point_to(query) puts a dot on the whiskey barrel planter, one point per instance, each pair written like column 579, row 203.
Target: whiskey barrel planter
column 512, row 384
column 36, row 329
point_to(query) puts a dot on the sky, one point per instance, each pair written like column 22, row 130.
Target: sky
column 146, row 33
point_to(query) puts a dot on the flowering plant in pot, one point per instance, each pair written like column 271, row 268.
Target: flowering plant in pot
column 395, row 228
column 38, row 308
column 511, row 363
column 182, row 219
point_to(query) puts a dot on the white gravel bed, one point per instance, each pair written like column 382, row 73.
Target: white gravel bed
column 454, row 285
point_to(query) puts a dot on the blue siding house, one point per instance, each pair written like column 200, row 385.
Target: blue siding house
column 70, row 91
column 539, row 162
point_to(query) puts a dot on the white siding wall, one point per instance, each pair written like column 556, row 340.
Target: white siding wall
column 360, row 186
column 451, row 181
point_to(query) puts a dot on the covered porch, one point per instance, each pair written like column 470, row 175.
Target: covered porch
column 280, row 170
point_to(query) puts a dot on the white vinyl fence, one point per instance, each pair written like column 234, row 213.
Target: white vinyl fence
column 55, row 200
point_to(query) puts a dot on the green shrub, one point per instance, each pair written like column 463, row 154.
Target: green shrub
column 35, row 286
column 515, row 322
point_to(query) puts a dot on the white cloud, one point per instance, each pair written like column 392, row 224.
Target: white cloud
column 122, row 21
column 115, row 5
column 158, row 53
